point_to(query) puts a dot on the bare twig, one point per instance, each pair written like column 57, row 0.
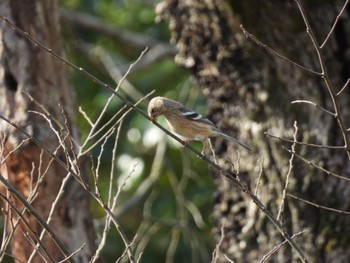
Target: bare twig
column 325, row 77
column 73, row 254
column 216, row 252
column 147, row 236
column 281, row 208
column 174, row 242
column 314, row 104
column 102, row 242
column 334, row 24
column 3, row 159
column 92, row 132
column 77, row 178
column 317, row 166
column 28, row 225
column 273, row 52
column 116, row 74
column 303, row 143
column 127, row 249
column 344, row 87
column 320, row 206
column 85, row 151
column 261, row 172
column 41, row 251
column 276, row 248
column 228, row 259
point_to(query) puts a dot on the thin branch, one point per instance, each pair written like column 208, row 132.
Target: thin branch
column 17, row 260
column 128, row 248
column 314, row 104
column 281, row 208
column 273, row 52
column 102, row 242
column 40, row 251
column 344, row 87
column 317, row 166
column 148, row 233
column 303, row 143
column 228, row 259
column 334, row 24
column 216, row 252
column 276, row 248
column 115, row 73
column 73, row 254
column 320, row 206
column 174, row 242
column 3, row 159
column 261, row 172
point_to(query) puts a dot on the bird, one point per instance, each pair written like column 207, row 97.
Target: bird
column 188, row 124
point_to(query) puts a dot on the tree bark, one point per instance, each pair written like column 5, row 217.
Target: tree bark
column 32, row 82
column 249, row 93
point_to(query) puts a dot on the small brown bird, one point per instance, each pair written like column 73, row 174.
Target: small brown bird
column 184, row 122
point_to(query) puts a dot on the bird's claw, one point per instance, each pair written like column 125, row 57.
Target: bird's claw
column 202, row 155
column 184, row 143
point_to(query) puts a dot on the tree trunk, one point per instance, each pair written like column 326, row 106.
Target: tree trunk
column 249, row 92
column 33, row 82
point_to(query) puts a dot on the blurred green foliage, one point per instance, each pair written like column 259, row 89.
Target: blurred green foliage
column 175, row 214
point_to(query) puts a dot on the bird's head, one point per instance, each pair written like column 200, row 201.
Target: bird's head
column 155, row 108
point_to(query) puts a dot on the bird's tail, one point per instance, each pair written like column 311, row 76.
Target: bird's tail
column 228, row 137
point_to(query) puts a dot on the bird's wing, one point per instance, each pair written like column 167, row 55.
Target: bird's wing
column 194, row 116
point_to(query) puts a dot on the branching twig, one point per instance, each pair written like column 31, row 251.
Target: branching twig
column 325, row 77
column 72, row 254
column 28, row 225
column 92, row 132
column 276, row 248
column 231, row 176
column 216, row 252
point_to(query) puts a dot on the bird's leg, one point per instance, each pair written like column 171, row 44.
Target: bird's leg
column 184, row 143
column 202, row 155
column 212, row 150
column 203, row 150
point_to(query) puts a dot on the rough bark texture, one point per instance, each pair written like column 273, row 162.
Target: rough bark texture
column 250, row 92
column 27, row 69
